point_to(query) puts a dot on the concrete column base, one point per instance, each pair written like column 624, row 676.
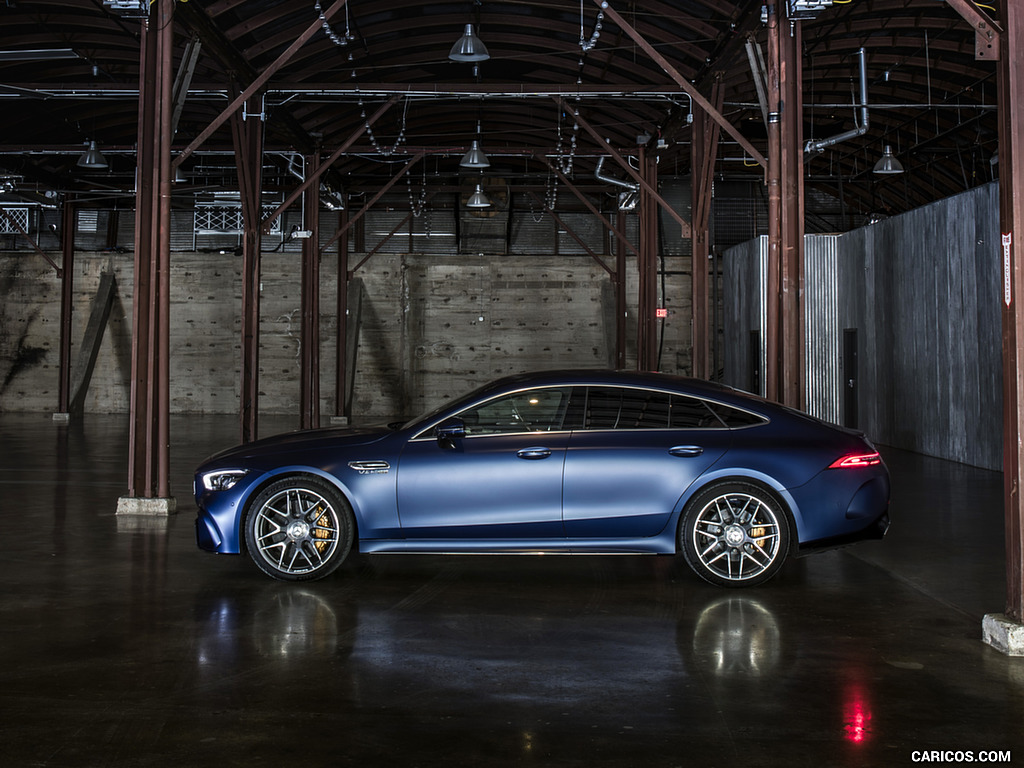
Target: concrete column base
column 129, row 505
column 1003, row 633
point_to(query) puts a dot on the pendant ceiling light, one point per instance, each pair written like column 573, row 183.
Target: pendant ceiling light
column 469, row 47
column 478, row 199
column 888, row 165
column 474, row 157
column 92, row 158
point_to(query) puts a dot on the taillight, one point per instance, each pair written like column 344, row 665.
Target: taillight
column 856, row 460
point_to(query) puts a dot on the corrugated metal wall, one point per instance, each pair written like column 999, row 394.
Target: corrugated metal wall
column 823, row 333
column 743, row 309
column 922, row 292
column 745, row 278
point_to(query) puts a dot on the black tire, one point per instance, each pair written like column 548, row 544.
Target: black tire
column 734, row 534
column 299, row 529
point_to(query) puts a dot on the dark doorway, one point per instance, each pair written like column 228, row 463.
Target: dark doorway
column 755, row 362
column 850, row 377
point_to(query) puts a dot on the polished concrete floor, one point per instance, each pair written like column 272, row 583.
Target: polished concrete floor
column 124, row 645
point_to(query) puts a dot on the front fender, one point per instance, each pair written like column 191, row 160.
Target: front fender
column 371, row 497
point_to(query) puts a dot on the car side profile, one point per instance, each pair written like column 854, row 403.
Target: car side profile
column 570, row 462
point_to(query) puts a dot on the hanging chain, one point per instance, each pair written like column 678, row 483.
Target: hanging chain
column 565, row 161
column 417, row 205
column 335, row 37
column 587, row 45
column 386, row 151
column 550, row 198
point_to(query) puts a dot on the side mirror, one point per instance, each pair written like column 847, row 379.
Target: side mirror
column 448, row 431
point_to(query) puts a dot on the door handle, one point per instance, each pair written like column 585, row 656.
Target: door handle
column 686, row 451
column 533, row 453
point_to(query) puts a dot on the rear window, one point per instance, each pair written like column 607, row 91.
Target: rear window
column 734, row 417
column 628, row 408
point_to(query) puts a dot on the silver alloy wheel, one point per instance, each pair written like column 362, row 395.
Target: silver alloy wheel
column 296, row 531
column 737, row 536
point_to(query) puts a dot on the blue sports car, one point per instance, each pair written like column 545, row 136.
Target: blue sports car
column 571, row 462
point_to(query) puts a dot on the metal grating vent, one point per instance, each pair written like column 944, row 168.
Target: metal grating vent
column 12, row 219
column 740, row 213
column 222, row 215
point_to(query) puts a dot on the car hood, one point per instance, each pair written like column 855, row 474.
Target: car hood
column 302, row 440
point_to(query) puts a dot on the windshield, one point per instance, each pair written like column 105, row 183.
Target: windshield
column 456, row 403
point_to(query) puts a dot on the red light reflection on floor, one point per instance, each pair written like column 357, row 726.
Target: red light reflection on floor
column 856, row 715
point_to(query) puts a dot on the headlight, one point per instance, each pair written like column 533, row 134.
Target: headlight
column 222, row 479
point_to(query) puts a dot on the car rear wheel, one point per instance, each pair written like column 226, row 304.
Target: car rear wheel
column 734, row 534
column 299, row 529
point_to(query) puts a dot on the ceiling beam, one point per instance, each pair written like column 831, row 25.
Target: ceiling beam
column 256, row 85
column 682, row 82
column 987, row 33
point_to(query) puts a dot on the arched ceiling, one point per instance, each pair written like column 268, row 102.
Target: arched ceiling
column 69, row 74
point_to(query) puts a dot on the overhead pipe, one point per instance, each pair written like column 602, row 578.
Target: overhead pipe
column 820, row 144
column 630, row 185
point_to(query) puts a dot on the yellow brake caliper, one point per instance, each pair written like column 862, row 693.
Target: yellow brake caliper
column 321, row 530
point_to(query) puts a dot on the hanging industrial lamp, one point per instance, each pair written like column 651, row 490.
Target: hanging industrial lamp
column 478, row 199
column 474, row 157
column 92, row 158
column 888, row 165
column 469, row 47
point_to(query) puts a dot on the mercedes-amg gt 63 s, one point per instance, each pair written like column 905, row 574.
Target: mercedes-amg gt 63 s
column 570, row 462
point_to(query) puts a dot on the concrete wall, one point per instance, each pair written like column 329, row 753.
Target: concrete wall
column 432, row 326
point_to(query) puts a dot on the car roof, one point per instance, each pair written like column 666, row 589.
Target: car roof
column 598, row 377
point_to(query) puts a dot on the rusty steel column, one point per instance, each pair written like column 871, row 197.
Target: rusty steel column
column 248, row 140
column 700, row 204
column 149, row 439
column 791, row 254
column 309, row 342
column 773, row 179
column 1006, row 631
column 163, row 249
column 67, row 287
column 647, row 265
column 139, row 431
column 703, row 149
column 341, row 410
column 619, row 281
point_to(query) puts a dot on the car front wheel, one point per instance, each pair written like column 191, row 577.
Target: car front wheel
column 299, row 529
column 734, row 535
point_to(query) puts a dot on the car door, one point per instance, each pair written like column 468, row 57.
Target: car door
column 498, row 475
column 637, row 453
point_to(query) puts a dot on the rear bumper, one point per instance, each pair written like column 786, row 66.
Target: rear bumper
column 876, row 530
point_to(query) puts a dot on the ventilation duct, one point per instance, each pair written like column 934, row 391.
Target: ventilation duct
column 820, row 144
column 601, row 176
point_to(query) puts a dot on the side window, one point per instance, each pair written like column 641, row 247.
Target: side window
column 642, row 409
column 734, row 417
column 534, row 410
column 603, row 405
column 622, row 408
column 691, row 413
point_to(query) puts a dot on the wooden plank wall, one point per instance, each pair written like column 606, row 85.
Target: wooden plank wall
column 923, row 291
